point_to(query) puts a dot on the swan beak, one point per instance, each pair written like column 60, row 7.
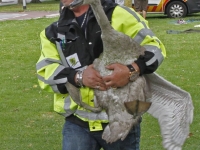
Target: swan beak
column 75, row 3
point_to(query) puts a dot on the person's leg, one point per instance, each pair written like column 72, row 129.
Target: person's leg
column 77, row 138
column 144, row 14
column 131, row 142
column 144, row 8
column 137, row 6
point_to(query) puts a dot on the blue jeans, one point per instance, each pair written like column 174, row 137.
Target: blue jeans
column 76, row 137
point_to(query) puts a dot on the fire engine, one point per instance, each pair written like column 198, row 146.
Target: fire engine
column 171, row 8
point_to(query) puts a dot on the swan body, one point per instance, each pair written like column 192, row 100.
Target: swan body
column 171, row 105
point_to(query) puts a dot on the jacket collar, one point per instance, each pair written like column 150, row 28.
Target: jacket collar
column 67, row 16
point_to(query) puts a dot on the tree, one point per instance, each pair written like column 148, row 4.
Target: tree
column 35, row 1
column 20, row 1
column 128, row 3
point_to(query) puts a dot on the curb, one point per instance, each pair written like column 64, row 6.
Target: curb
column 28, row 15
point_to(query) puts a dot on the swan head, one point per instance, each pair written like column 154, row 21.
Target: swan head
column 76, row 3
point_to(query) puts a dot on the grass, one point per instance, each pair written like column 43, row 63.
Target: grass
column 181, row 68
column 26, row 112
column 27, row 118
column 44, row 6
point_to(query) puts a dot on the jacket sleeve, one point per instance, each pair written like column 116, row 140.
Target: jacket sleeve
column 52, row 74
column 129, row 22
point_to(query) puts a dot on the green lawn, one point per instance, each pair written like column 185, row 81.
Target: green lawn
column 181, row 67
column 27, row 120
column 44, row 6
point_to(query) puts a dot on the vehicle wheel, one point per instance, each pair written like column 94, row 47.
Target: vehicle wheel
column 176, row 9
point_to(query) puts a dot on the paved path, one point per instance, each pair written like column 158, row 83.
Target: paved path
column 28, row 15
column 10, row 2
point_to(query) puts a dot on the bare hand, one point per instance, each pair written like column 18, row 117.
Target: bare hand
column 93, row 79
column 119, row 77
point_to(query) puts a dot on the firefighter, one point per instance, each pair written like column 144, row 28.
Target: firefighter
column 68, row 49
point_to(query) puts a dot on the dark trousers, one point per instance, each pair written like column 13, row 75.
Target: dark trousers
column 76, row 137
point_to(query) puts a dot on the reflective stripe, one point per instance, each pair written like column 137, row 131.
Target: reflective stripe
column 74, row 20
column 55, row 73
column 157, row 54
column 131, row 12
column 141, row 35
column 158, row 41
column 67, row 105
column 92, row 116
column 52, row 82
column 41, row 78
column 55, row 88
column 144, row 24
column 46, row 62
column 62, row 57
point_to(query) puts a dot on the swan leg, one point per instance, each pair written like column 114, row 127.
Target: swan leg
column 136, row 107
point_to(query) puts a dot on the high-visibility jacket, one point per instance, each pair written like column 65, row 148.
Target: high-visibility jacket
column 66, row 48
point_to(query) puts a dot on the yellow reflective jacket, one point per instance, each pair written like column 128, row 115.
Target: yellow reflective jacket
column 65, row 49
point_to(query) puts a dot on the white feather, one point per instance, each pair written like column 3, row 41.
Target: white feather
column 173, row 108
